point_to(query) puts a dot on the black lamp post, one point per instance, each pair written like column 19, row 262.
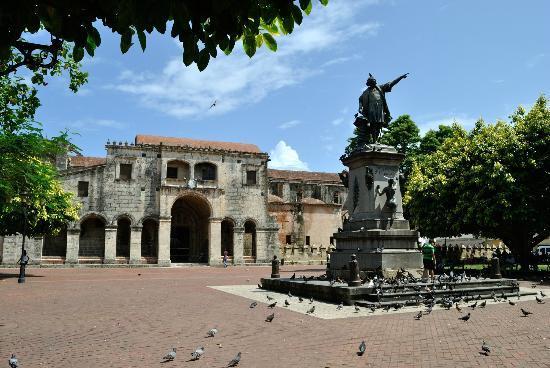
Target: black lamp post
column 24, row 258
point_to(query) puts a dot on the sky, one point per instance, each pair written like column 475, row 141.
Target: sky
column 467, row 60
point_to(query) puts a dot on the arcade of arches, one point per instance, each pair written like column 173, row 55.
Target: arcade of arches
column 189, row 230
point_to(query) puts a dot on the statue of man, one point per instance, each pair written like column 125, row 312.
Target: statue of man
column 374, row 110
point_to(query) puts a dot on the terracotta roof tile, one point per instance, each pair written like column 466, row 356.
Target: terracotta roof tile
column 195, row 143
column 304, row 176
column 83, row 161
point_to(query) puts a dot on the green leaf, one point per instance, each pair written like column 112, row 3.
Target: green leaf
column 271, row 27
column 78, row 53
column 249, row 44
column 259, row 41
column 270, row 41
column 324, row 2
column 308, row 9
column 288, row 24
column 204, row 58
column 297, row 14
column 126, row 41
column 94, row 33
column 304, row 4
column 190, row 50
column 142, row 39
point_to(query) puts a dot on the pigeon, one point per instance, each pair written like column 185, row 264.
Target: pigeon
column 372, row 309
column 485, row 348
column 458, row 308
column 197, row 353
column 235, row 361
column 340, row 306
column 286, row 303
column 539, row 300
column 362, row 348
column 311, row 310
column 13, row 362
column 483, row 304
column 357, row 309
column 272, row 305
column 525, row 313
column 418, row 316
column 310, row 300
column 511, row 302
column 212, row 332
column 260, row 286
column 270, row 317
column 387, row 308
column 253, row 305
column 542, row 294
column 213, row 104
column 465, row 318
column 268, row 297
column 473, row 306
column 293, row 276
column 300, row 299
column 170, row 356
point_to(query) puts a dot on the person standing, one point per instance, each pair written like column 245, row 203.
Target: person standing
column 225, row 254
column 428, row 258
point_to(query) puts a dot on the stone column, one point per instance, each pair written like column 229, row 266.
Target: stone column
column 238, row 239
column 164, row 241
column 73, row 239
column 110, row 245
column 135, row 245
column 214, row 241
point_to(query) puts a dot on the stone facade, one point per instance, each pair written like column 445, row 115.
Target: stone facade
column 308, row 209
column 162, row 200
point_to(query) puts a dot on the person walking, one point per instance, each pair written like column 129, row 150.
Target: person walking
column 428, row 258
column 225, row 254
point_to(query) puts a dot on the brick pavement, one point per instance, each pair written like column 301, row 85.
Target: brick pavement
column 115, row 318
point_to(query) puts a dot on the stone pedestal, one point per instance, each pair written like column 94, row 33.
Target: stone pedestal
column 110, row 245
column 164, row 242
column 73, row 237
column 376, row 230
column 135, row 245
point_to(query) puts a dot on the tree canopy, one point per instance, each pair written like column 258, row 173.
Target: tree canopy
column 28, row 178
column 203, row 26
column 493, row 181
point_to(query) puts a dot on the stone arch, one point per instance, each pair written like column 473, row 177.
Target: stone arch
column 92, row 236
column 123, row 234
column 177, row 169
column 189, row 240
column 92, row 214
column 205, row 171
column 149, row 237
column 55, row 245
column 250, row 238
column 228, row 230
column 124, row 215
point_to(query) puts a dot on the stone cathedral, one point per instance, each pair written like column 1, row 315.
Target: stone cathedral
column 165, row 200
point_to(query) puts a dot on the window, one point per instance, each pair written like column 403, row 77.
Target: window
column 82, row 188
column 316, row 192
column 172, row 172
column 336, row 198
column 307, row 240
column 298, row 196
column 125, row 172
column 251, row 177
column 277, row 189
column 143, row 154
column 289, row 239
column 205, row 171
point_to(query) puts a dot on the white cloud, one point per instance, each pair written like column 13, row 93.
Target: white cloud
column 92, row 125
column 237, row 80
column 289, row 124
column 466, row 121
column 285, row 157
column 337, row 121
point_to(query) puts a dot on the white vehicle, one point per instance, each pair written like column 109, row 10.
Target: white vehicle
column 543, row 250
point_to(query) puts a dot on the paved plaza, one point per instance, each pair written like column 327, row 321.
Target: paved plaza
column 120, row 317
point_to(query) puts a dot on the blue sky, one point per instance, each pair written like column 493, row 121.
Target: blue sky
column 466, row 59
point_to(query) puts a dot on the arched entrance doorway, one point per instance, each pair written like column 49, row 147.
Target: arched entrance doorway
column 249, row 239
column 92, row 237
column 149, row 238
column 123, row 237
column 55, row 245
column 189, row 230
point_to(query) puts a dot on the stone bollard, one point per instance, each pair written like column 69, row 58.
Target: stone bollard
column 495, row 268
column 275, row 268
column 354, row 279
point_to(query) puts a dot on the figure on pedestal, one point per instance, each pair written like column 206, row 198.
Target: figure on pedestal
column 374, row 113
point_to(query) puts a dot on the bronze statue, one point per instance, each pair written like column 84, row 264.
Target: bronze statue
column 374, row 113
column 389, row 191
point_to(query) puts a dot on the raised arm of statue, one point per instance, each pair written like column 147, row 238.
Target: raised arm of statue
column 398, row 79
